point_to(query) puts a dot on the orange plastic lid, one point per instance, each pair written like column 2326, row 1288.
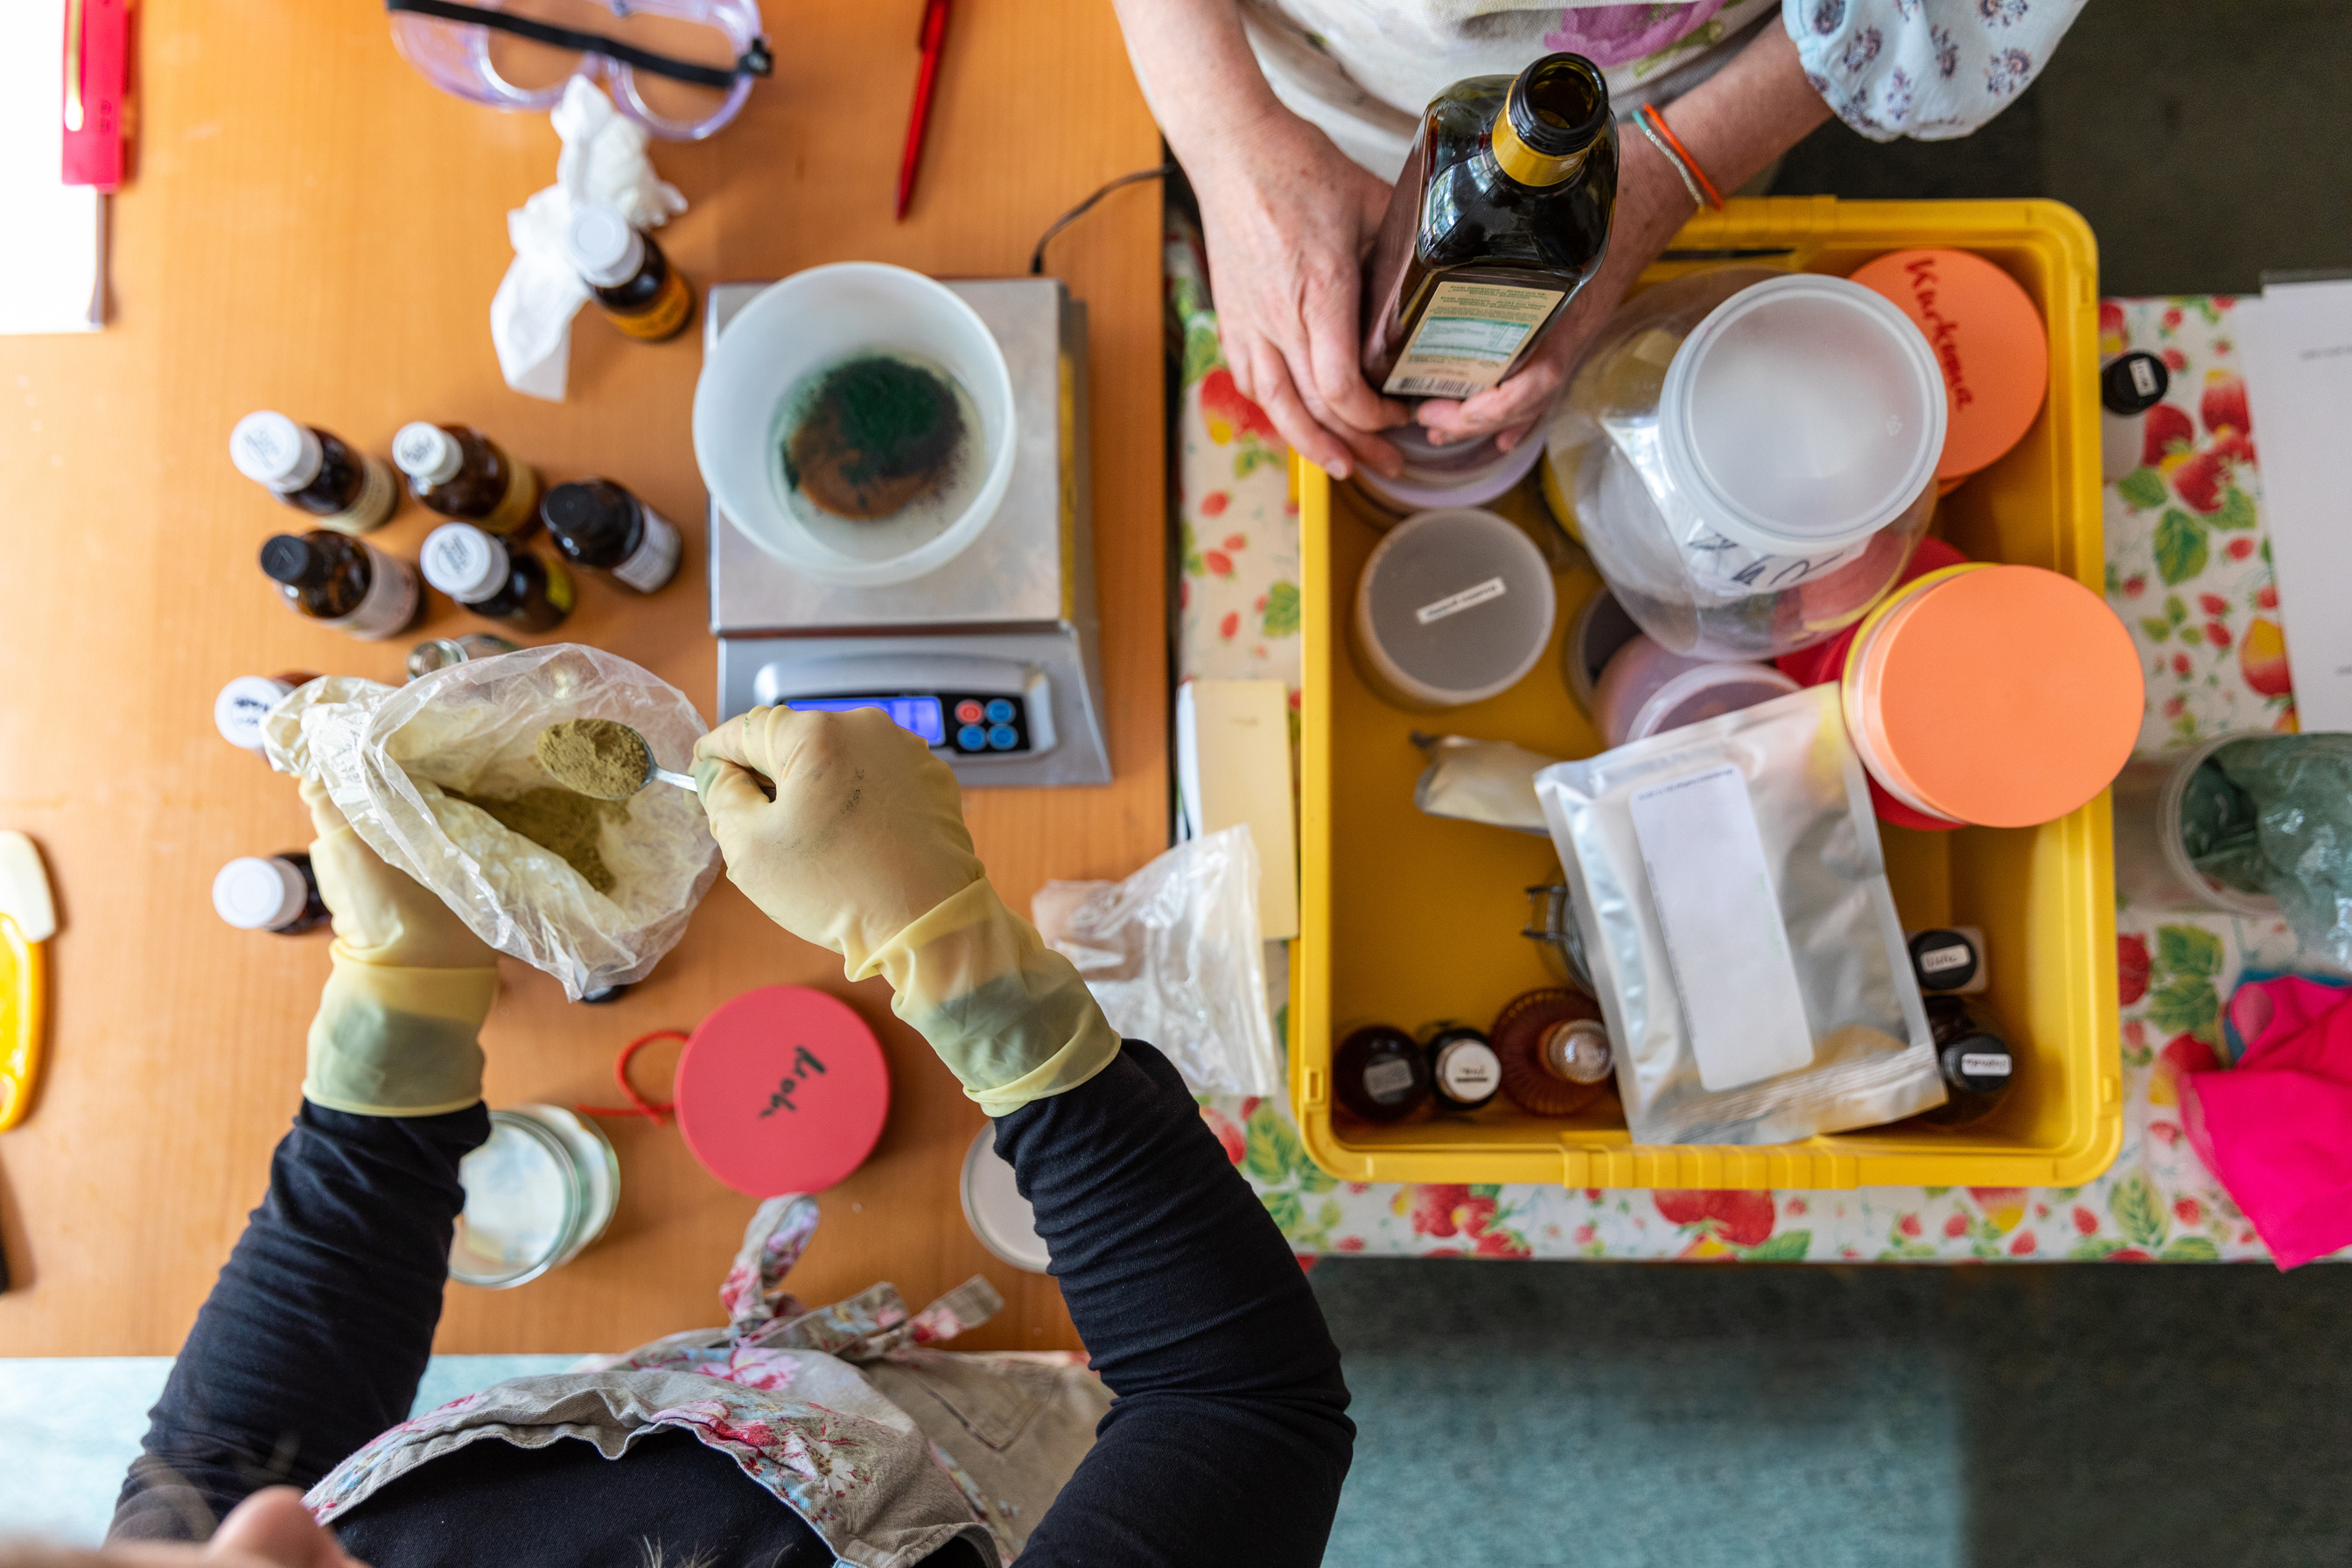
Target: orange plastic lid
column 1987, row 337
column 2005, row 695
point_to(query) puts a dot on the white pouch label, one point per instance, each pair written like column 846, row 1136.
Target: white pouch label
column 1724, row 939
column 1454, row 603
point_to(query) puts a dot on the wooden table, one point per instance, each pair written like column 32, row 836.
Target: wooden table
column 315, row 229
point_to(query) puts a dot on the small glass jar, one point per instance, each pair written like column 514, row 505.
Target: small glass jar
column 538, row 1193
column 440, row 653
column 2153, row 868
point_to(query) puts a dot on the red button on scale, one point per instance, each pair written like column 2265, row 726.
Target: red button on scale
column 781, row 1089
column 967, row 712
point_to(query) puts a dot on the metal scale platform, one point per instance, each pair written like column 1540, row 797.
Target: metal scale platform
column 994, row 659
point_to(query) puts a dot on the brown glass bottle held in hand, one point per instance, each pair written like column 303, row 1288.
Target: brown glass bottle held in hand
column 1500, row 217
column 343, row 582
column 459, row 472
column 498, row 581
column 1554, row 1050
column 1463, row 1072
column 1379, row 1074
column 595, row 522
column 632, row 280
column 314, row 472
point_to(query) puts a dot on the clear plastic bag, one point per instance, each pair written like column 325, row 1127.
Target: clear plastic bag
column 1175, row 957
column 390, row 755
column 1742, row 938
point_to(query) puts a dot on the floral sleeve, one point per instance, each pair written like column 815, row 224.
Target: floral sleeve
column 1926, row 69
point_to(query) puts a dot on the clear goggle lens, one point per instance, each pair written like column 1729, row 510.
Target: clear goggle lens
column 681, row 69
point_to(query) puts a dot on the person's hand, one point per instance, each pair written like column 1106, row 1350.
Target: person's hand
column 1288, row 219
column 271, row 1529
column 397, row 1027
column 864, row 851
column 1511, row 410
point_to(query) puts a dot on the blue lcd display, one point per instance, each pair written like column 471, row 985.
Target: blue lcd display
column 919, row 715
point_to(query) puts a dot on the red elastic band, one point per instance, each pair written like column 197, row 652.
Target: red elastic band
column 1657, row 121
column 638, row 1104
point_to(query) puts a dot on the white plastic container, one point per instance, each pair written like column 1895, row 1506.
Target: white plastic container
column 1750, row 455
column 1431, row 482
column 1645, row 690
column 1453, row 607
column 794, row 330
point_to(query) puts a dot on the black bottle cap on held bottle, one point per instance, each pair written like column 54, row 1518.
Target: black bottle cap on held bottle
column 2133, row 383
column 1559, row 105
column 292, row 559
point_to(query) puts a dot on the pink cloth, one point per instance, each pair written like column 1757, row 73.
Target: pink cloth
column 2276, row 1129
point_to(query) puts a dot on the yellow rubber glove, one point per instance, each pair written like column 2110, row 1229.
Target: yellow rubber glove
column 864, row 851
column 396, row 1033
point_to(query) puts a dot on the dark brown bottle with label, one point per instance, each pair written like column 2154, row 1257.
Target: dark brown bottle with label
column 1975, row 1058
column 314, row 472
column 1501, row 215
column 595, row 522
column 634, row 282
column 1463, row 1072
column 459, row 472
column 1379, row 1074
column 494, row 579
column 343, row 582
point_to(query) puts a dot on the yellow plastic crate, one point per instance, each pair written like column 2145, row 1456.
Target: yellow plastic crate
column 1407, row 918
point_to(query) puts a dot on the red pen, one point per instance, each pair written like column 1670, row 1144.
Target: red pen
column 933, row 39
column 96, row 89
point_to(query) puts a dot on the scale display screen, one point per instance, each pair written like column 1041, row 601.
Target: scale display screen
column 924, row 716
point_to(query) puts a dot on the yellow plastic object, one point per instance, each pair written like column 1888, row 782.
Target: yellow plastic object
column 27, row 920
column 1407, row 918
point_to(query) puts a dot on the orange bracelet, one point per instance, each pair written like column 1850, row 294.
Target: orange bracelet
column 1654, row 124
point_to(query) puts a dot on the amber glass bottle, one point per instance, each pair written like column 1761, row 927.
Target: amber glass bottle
column 343, row 582
column 1463, row 1072
column 1554, row 1049
column 314, row 472
column 1379, row 1074
column 595, row 522
column 459, row 472
column 494, row 579
column 1500, row 215
column 633, row 281
column 1975, row 1058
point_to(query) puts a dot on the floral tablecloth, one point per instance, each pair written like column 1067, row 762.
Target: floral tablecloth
column 2189, row 568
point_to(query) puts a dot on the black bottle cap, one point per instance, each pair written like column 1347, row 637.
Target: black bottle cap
column 1979, row 1062
column 292, row 559
column 1943, row 959
column 1559, row 105
column 580, row 505
column 2133, row 383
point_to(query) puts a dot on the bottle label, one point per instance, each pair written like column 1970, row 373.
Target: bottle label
column 666, row 315
column 391, row 601
column 654, row 560
column 1470, row 335
column 513, row 513
column 1391, row 1079
column 1936, row 960
column 378, row 492
column 1468, row 1071
column 1984, row 1064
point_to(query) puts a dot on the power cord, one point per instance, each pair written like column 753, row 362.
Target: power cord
column 1038, row 257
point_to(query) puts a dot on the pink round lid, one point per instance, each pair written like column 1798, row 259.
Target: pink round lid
column 781, row 1089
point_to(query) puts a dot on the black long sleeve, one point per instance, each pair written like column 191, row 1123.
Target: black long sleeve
column 316, row 1333
column 1229, row 1438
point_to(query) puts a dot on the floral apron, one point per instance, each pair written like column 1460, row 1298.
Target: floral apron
column 884, row 1446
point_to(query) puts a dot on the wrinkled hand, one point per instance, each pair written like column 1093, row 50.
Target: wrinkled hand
column 1511, row 410
column 864, row 851
column 397, row 1027
column 1288, row 219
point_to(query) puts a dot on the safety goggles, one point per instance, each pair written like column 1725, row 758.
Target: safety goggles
column 681, row 69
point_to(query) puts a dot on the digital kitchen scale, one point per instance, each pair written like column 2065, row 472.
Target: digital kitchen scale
column 993, row 659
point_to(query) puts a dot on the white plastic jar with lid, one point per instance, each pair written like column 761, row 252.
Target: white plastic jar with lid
column 1750, row 455
column 1453, row 607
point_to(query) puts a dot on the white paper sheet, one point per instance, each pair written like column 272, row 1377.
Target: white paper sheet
column 2297, row 341
column 53, row 268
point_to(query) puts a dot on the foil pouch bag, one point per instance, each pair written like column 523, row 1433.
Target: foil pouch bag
column 1727, row 882
column 395, row 758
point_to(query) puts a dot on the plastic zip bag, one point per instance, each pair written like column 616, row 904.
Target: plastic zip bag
column 390, row 755
column 1492, row 781
column 1785, row 1004
column 1173, row 956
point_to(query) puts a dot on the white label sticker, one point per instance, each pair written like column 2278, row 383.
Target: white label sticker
column 1468, row 338
column 1936, row 960
column 1724, row 939
column 1389, row 1079
column 654, row 560
column 1984, row 1064
column 1454, row 603
column 390, row 603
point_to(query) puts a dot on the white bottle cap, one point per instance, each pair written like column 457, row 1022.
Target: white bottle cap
column 463, row 562
column 428, row 453
column 243, row 704
column 254, row 893
column 270, row 449
column 602, row 247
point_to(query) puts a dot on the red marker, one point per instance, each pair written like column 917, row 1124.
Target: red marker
column 933, row 39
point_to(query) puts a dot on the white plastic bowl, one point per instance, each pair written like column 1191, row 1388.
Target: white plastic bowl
column 800, row 325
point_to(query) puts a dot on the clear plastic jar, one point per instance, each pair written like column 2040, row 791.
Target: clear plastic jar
column 1750, row 456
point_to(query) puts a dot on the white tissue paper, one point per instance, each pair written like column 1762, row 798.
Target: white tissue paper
column 604, row 161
